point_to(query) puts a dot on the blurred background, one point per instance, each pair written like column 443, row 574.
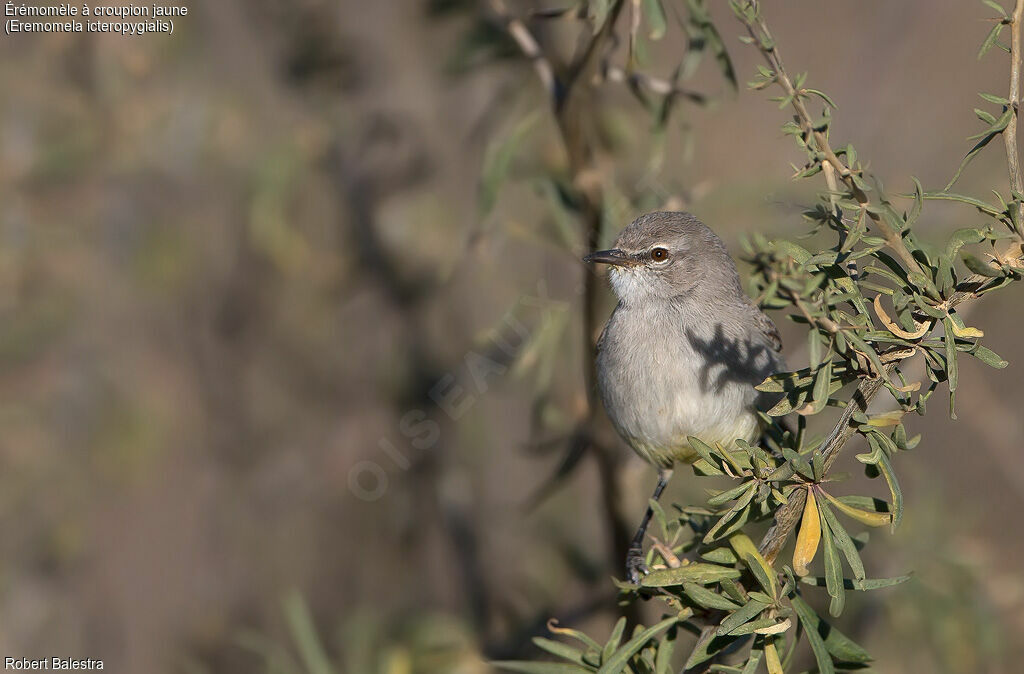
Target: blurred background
column 287, row 375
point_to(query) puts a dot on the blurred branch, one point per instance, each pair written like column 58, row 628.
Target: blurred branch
column 574, row 116
column 655, row 85
column 577, row 11
column 531, row 49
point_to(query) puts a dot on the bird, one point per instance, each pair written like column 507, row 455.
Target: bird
column 682, row 351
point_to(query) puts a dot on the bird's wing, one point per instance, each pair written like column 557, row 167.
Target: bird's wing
column 604, row 330
column 767, row 328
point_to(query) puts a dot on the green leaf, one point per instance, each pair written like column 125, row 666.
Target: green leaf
column 869, row 503
column 617, row 662
column 842, row 540
column 498, row 159
column 996, row 6
column 984, row 116
column 798, row 253
column 659, row 516
column 822, row 95
column 698, row 572
column 705, row 451
column 663, row 661
column 300, row 623
column 563, row 651
column 597, row 12
column 979, row 267
column 785, row 381
column 798, row 462
column 984, row 138
column 732, row 588
column 862, row 346
column 987, row 356
column 728, row 495
column 961, row 238
column 754, row 659
column 723, row 556
column 700, row 19
column 854, row 584
column 894, row 488
column 573, row 634
column 707, row 598
column 812, row 623
column 915, row 210
column 833, row 570
column 706, row 647
column 737, row 509
column 740, row 616
column 835, row 642
column 655, row 15
column 820, row 393
column 951, row 367
column 614, row 640
column 990, row 40
column 977, row 203
column 992, row 98
column 541, row 667
column 761, row 624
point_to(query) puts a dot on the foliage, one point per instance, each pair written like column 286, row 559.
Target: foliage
column 874, row 299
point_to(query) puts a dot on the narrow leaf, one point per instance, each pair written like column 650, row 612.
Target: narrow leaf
column 617, row 662
column 833, row 571
column 697, row 572
column 843, row 541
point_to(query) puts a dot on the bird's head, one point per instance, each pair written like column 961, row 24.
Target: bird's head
column 664, row 255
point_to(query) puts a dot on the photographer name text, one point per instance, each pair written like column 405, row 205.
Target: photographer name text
column 55, row 663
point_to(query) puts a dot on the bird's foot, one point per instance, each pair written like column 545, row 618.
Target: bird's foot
column 636, row 567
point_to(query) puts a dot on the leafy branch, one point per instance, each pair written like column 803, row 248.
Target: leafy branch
column 876, row 298
column 821, row 155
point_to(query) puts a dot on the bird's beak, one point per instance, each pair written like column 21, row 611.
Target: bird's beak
column 614, row 257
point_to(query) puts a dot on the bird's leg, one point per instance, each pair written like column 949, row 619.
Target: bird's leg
column 635, row 556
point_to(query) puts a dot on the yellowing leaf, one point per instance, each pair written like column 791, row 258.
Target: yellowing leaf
column 872, row 519
column 771, row 658
column 894, row 328
column 809, row 537
column 777, row 628
column 961, row 330
column 748, row 552
column 887, row 418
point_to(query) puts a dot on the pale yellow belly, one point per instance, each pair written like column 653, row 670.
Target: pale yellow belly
column 746, row 427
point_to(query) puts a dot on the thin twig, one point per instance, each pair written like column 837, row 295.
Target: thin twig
column 766, row 44
column 1010, row 135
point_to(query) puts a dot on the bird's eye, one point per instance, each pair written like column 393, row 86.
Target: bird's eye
column 659, row 254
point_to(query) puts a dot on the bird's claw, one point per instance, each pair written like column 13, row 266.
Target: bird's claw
column 636, row 567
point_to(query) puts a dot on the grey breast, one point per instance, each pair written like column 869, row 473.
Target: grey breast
column 667, row 371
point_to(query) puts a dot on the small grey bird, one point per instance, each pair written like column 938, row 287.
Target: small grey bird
column 683, row 350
